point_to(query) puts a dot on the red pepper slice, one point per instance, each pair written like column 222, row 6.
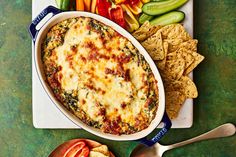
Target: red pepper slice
column 103, row 6
column 132, row 2
column 116, row 14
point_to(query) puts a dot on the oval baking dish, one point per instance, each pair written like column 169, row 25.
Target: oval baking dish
column 39, row 35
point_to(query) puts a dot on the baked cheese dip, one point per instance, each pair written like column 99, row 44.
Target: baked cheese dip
column 99, row 76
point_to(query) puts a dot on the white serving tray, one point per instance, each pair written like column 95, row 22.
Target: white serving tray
column 47, row 115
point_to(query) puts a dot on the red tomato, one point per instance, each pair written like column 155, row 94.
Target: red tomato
column 83, row 153
column 75, row 149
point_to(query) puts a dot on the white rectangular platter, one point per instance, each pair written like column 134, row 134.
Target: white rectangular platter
column 47, row 115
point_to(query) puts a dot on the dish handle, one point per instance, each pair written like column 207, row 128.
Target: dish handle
column 32, row 27
column 167, row 125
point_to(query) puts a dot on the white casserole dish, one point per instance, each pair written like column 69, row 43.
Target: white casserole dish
column 39, row 35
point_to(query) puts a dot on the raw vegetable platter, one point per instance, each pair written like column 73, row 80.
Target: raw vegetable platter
column 46, row 115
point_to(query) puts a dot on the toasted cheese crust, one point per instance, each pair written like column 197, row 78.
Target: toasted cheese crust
column 100, row 76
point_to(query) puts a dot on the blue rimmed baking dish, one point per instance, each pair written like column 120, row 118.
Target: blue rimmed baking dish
column 38, row 36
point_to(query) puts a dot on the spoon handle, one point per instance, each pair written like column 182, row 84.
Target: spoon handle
column 224, row 130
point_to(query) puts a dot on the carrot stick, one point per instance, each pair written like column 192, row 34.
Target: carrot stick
column 80, row 5
column 87, row 4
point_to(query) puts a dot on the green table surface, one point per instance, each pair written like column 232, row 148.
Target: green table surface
column 214, row 27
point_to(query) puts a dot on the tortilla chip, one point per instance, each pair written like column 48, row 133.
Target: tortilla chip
column 186, row 54
column 174, row 101
column 161, row 63
column 97, row 154
column 145, row 31
column 166, row 30
column 102, row 149
column 175, row 66
column 172, row 85
column 184, row 85
column 189, row 88
column 173, row 44
column 191, row 44
column 197, row 59
column 154, row 46
column 175, row 31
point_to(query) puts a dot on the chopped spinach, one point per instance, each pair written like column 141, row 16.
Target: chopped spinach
column 152, row 105
column 71, row 100
column 94, row 124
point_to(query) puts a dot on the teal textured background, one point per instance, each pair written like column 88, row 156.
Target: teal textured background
column 215, row 28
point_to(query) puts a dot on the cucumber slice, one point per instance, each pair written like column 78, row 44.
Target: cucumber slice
column 157, row 8
column 58, row 2
column 169, row 18
column 144, row 17
column 63, row 4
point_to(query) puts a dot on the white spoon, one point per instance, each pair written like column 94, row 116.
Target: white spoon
column 158, row 150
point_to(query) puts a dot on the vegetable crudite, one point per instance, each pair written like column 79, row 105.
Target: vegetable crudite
column 130, row 14
column 158, row 8
column 169, row 18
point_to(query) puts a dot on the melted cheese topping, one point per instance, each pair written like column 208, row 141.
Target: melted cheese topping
column 104, row 77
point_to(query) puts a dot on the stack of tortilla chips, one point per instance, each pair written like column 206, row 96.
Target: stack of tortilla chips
column 175, row 54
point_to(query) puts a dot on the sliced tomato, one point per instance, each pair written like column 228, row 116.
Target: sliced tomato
column 75, row 149
column 84, row 152
column 64, row 148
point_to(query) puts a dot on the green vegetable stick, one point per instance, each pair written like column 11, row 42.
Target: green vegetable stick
column 158, row 8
